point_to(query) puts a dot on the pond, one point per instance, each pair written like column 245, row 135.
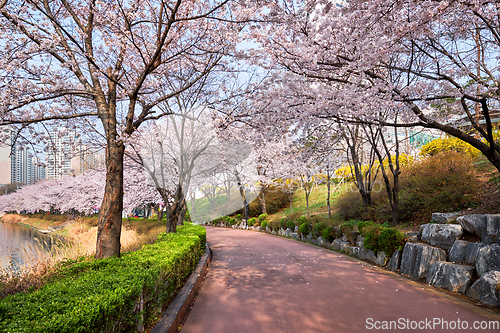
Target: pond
column 20, row 245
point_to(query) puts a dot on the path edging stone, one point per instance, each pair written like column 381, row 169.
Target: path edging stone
column 173, row 316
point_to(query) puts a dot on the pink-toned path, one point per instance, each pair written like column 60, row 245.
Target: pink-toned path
column 262, row 283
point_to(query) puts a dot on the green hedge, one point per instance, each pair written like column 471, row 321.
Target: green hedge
column 113, row 294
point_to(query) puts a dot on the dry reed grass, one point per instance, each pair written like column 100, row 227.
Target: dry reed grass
column 41, row 265
column 13, row 218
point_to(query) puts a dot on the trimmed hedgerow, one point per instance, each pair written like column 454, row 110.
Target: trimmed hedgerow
column 112, row 294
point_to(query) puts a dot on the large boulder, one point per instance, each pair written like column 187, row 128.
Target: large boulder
column 487, row 289
column 417, row 259
column 444, row 217
column 441, row 235
column 488, row 259
column 395, row 261
column 288, row 232
column 321, row 242
column 454, row 277
column 464, row 252
column 485, row 226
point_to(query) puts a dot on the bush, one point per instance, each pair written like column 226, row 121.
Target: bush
column 453, row 144
column 262, row 217
column 264, row 224
column 363, row 226
column 329, row 234
column 379, row 238
column 391, row 240
column 102, row 295
column 445, row 182
column 319, row 227
column 232, row 221
column 239, row 216
column 251, row 221
column 283, row 223
column 304, row 228
column 290, row 224
column 347, row 227
column 301, row 220
column 371, row 239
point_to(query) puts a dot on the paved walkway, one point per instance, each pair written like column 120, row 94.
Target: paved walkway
column 263, row 283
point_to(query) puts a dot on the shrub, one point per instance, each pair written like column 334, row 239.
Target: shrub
column 251, row 221
column 347, row 227
column 304, row 228
column 363, row 226
column 232, row 221
column 264, row 224
column 391, row 240
column 263, row 217
column 319, row 227
column 301, row 220
column 453, row 144
column 239, row 216
column 440, row 183
column 329, row 234
column 283, row 223
column 290, row 224
column 371, row 239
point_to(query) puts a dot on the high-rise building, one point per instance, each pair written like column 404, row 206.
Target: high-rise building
column 63, row 158
column 5, row 163
column 24, row 167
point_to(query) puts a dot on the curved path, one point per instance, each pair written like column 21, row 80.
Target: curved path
column 263, row 283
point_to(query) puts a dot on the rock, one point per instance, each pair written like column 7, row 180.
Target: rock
column 288, row 232
column 395, row 261
column 258, row 228
column 441, row 235
column 464, row 252
column 268, row 230
column 444, row 217
column 472, row 223
column 488, row 259
column 314, row 241
column 351, row 250
column 381, row 258
column 296, row 229
column 485, row 226
column 366, row 254
column 417, row 259
column 309, row 237
column 360, row 240
column 295, row 235
column 336, row 244
column 453, row 277
column 486, row 289
column 321, row 242
column 274, row 232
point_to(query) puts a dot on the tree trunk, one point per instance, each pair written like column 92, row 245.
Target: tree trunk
column 182, row 214
column 328, row 196
column 262, row 199
column 110, row 215
column 290, row 196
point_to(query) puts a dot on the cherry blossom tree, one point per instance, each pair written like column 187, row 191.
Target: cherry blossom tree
column 434, row 60
column 114, row 61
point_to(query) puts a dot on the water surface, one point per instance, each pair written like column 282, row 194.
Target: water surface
column 21, row 245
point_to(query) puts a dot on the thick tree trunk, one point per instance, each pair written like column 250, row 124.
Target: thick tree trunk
column 110, row 215
column 182, row 214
